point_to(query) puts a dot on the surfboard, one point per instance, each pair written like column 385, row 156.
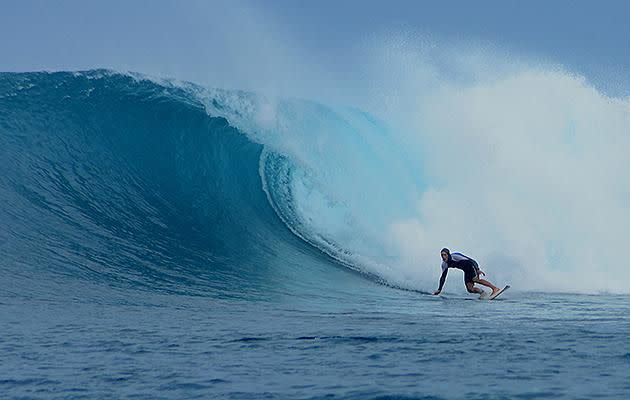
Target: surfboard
column 492, row 297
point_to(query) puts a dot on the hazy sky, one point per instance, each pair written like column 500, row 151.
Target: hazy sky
column 226, row 41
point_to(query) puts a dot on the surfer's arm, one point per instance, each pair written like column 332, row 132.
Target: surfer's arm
column 442, row 280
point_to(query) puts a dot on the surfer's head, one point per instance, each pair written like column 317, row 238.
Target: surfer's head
column 445, row 253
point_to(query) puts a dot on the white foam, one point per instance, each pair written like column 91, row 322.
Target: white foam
column 520, row 164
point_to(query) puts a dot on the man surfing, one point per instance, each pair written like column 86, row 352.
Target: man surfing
column 471, row 272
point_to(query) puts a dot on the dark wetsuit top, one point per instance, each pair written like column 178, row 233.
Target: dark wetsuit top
column 459, row 261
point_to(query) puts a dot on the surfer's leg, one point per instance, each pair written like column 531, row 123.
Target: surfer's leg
column 486, row 283
column 470, row 286
column 469, row 280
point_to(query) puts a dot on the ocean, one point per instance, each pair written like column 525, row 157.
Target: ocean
column 163, row 240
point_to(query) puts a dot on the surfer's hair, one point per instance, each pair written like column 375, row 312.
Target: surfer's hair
column 445, row 250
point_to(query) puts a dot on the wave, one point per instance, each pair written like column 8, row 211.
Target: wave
column 116, row 178
column 123, row 179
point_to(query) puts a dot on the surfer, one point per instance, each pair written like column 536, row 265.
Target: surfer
column 471, row 272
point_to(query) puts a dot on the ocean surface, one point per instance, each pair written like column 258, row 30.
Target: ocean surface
column 161, row 240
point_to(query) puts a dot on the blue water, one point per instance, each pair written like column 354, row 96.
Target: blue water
column 155, row 242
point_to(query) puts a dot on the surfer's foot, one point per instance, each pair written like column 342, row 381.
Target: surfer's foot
column 495, row 291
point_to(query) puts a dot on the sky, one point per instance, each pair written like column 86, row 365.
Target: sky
column 232, row 43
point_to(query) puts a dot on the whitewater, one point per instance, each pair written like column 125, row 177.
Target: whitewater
column 162, row 239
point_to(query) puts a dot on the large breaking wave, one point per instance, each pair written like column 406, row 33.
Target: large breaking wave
column 118, row 179
column 121, row 179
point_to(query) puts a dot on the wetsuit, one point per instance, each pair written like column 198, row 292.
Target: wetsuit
column 459, row 261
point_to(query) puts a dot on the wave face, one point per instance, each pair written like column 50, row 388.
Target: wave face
column 118, row 179
column 169, row 186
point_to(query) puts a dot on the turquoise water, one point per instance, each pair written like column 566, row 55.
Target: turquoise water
column 162, row 240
